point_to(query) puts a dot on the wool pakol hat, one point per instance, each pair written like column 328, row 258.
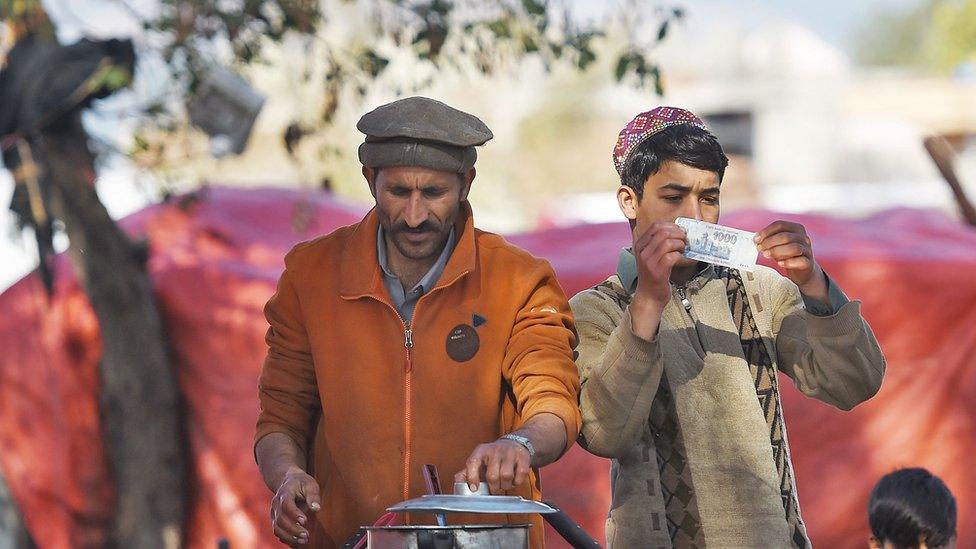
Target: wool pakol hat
column 418, row 131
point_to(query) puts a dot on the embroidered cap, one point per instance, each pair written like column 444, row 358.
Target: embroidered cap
column 646, row 124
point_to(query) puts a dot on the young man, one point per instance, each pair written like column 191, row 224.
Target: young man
column 912, row 509
column 679, row 360
column 411, row 338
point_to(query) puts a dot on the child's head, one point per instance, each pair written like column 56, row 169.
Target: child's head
column 912, row 508
column 670, row 166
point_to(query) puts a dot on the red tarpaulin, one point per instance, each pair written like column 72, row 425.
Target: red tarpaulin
column 215, row 260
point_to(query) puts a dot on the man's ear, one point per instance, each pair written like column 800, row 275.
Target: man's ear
column 370, row 175
column 466, row 179
column 873, row 543
column 628, row 202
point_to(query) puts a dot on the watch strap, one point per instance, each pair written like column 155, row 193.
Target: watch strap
column 524, row 441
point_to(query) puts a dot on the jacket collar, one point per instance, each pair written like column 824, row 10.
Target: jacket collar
column 360, row 269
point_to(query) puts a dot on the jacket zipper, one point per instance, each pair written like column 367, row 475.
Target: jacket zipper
column 408, row 389
column 681, row 292
column 684, row 298
column 407, row 402
column 408, row 382
column 408, row 405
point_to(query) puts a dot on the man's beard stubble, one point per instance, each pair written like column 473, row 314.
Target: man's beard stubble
column 432, row 247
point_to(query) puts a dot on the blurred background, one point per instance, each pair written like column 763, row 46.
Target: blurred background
column 223, row 131
column 824, row 106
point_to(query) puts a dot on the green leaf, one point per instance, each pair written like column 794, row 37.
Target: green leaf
column 140, row 143
column 534, row 7
column 109, row 78
column 117, row 77
column 622, row 65
column 372, row 63
column 586, row 58
column 156, row 109
column 658, row 83
column 500, row 28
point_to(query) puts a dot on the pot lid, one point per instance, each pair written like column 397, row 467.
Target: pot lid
column 446, row 503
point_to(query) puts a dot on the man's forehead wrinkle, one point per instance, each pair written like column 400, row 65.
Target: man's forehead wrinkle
column 408, row 183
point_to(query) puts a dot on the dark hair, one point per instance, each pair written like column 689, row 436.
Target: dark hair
column 683, row 143
column 912, row 505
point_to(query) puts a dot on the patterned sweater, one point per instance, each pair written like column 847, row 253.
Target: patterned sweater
column 692, row 419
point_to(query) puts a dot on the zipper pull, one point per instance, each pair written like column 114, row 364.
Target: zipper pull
column 684, row 299
column 408, row 343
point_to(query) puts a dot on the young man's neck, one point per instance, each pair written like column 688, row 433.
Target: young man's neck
column 681, row 274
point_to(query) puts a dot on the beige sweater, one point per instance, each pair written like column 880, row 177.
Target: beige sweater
column 694, row 377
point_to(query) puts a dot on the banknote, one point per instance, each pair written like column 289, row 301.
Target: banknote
column 719, row 245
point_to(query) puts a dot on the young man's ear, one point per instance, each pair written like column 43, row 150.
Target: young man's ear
column 466, row 179
column 370, row 175
column 873, row 543
column 628, row 202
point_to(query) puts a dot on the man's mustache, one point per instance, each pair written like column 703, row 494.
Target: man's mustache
column 425, row 227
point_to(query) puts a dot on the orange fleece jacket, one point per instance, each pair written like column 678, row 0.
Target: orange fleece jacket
column 340, row 380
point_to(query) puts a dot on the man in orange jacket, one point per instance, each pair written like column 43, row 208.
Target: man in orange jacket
column 409, row 338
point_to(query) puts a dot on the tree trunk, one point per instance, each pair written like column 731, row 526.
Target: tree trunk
column 140, row 400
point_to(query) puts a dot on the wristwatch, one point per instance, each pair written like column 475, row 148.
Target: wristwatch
column 524, row 441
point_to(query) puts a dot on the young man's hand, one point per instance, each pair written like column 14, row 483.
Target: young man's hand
column 656, row 252
column 790, row 247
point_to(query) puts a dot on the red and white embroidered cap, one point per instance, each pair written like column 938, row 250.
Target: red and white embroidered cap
column 646, row 124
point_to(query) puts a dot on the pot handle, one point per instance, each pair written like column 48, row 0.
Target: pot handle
column 358, row 539
column 568, row 529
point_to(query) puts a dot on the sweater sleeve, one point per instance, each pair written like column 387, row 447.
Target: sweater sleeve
column 538, row 362
column 287, row 388
column 619, row 372
column 834, row 358
column 835, row 300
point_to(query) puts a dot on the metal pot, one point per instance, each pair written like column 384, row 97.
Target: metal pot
column 477, row 536
column 473, row 536
column 466, row 536
column 482, row 536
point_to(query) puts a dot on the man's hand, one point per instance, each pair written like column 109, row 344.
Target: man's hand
column 656, row 251
column 293, row 502
column 789, row 246
column 504, row 464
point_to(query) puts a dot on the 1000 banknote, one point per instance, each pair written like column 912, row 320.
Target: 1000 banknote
column 719, row 245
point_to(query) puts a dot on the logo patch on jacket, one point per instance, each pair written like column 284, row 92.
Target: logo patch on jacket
column 462, row 343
